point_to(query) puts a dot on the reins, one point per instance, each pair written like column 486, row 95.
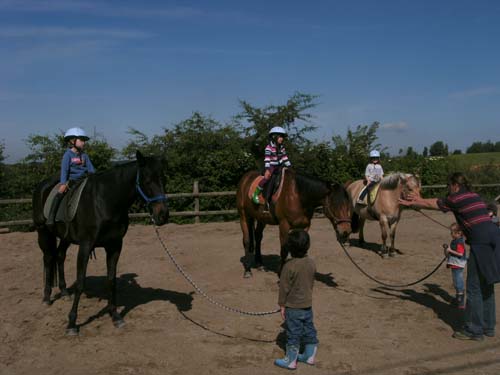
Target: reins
column 205, row 295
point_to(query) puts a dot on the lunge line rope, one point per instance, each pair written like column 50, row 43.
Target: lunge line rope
column 200, row 291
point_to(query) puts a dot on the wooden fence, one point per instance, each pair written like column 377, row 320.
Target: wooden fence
column 196, row 195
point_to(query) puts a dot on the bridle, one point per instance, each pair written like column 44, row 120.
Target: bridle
column 148, row 200
column 336, row 220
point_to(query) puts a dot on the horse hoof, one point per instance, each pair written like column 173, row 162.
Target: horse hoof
column 72, row 332
column 392, row 254
column 247, row 275
column 385, row 255
column 119, row 323
column 260, row 267
column 47, row 302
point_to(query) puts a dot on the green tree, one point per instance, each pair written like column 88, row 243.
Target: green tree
column 479, row 147
column 46, row 152
column 2, row 168
column 438, row 148
column 425, row 153
column 411, row 153
column 198, row 148
column 293, row 116
column 352, row 151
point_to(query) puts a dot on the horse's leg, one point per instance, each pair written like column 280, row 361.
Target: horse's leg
column 81, row 272
column 112, row 256
column 246, row 223
column 392, row 233
column 48, row 243
column 61, row 258
column 284, row 229
column 258, row 241
column 361, row 231
column 384, row 228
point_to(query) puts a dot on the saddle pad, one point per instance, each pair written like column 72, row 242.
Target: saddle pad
column 275, row 196
column 67, row 209
column 373, row 194
column 252, row 188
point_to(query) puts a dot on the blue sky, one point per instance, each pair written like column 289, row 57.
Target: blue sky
column 427, row 70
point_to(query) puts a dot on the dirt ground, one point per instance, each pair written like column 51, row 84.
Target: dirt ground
column 363, row 328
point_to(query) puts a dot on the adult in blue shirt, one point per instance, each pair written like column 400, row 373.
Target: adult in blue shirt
column 75, row 164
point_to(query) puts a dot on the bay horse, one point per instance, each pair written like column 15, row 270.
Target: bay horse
column 294, row 208
column 385, row 209
column 101, row 220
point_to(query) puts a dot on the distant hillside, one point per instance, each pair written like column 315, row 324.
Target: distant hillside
column 471, row 161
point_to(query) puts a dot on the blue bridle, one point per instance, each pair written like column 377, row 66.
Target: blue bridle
column 144, row 196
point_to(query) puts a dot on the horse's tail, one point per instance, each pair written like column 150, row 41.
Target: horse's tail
column 355, row 222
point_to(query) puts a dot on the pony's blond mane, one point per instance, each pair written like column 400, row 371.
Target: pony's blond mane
column 390, row 182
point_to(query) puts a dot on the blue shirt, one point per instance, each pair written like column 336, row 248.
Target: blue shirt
column 75, row 165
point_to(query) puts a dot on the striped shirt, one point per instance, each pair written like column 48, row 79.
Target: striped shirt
column 469, row 210
column 275, row 156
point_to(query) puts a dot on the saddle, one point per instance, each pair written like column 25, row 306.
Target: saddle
column 370, row 198
column 276, row 184
column 67, row 209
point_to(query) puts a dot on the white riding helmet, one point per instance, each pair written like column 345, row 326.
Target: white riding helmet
column 277, row 130
column 75, row 133
column 374, row 154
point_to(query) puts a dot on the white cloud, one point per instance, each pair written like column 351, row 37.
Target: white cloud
column 395, row 126
column 479, row 91
column 63, row 32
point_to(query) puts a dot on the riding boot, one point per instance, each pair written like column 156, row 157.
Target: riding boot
column 256, row 193
column 290, row 360
column 309, row 354
column 53, row 209
column 361, row 198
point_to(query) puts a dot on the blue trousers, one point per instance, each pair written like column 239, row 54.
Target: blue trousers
column 480, row 312
column 300, row 327
column 457, row 274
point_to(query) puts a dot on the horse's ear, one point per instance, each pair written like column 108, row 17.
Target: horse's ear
column 139, row 157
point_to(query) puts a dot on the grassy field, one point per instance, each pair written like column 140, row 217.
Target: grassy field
column 468, row 160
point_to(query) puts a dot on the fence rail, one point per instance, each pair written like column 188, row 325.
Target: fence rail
column 196, row 195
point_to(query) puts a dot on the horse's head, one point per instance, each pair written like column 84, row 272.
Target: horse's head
column 339, row 210
column 149, row 184
column 411, row 184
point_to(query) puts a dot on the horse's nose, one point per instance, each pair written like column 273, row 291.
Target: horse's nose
column 343, row 232
column 160, row 214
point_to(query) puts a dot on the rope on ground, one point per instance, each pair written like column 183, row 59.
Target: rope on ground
column 383, row 283
column 200, row 291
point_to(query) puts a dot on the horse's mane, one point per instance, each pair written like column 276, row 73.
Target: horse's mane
column 116, row 166
column 390, row 182
column 310, row 185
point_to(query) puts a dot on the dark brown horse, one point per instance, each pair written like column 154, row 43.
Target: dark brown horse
column 101, row 220
column 294, row 208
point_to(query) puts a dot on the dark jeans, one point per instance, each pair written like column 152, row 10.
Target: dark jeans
column 366, row 190
column 300, row 327
column 480, row 313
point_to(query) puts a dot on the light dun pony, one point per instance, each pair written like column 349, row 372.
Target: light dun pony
column 385, row 207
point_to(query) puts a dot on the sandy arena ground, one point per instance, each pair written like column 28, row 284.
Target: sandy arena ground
column 363, row 328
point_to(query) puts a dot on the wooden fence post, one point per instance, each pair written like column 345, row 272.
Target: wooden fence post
column 196, row 191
